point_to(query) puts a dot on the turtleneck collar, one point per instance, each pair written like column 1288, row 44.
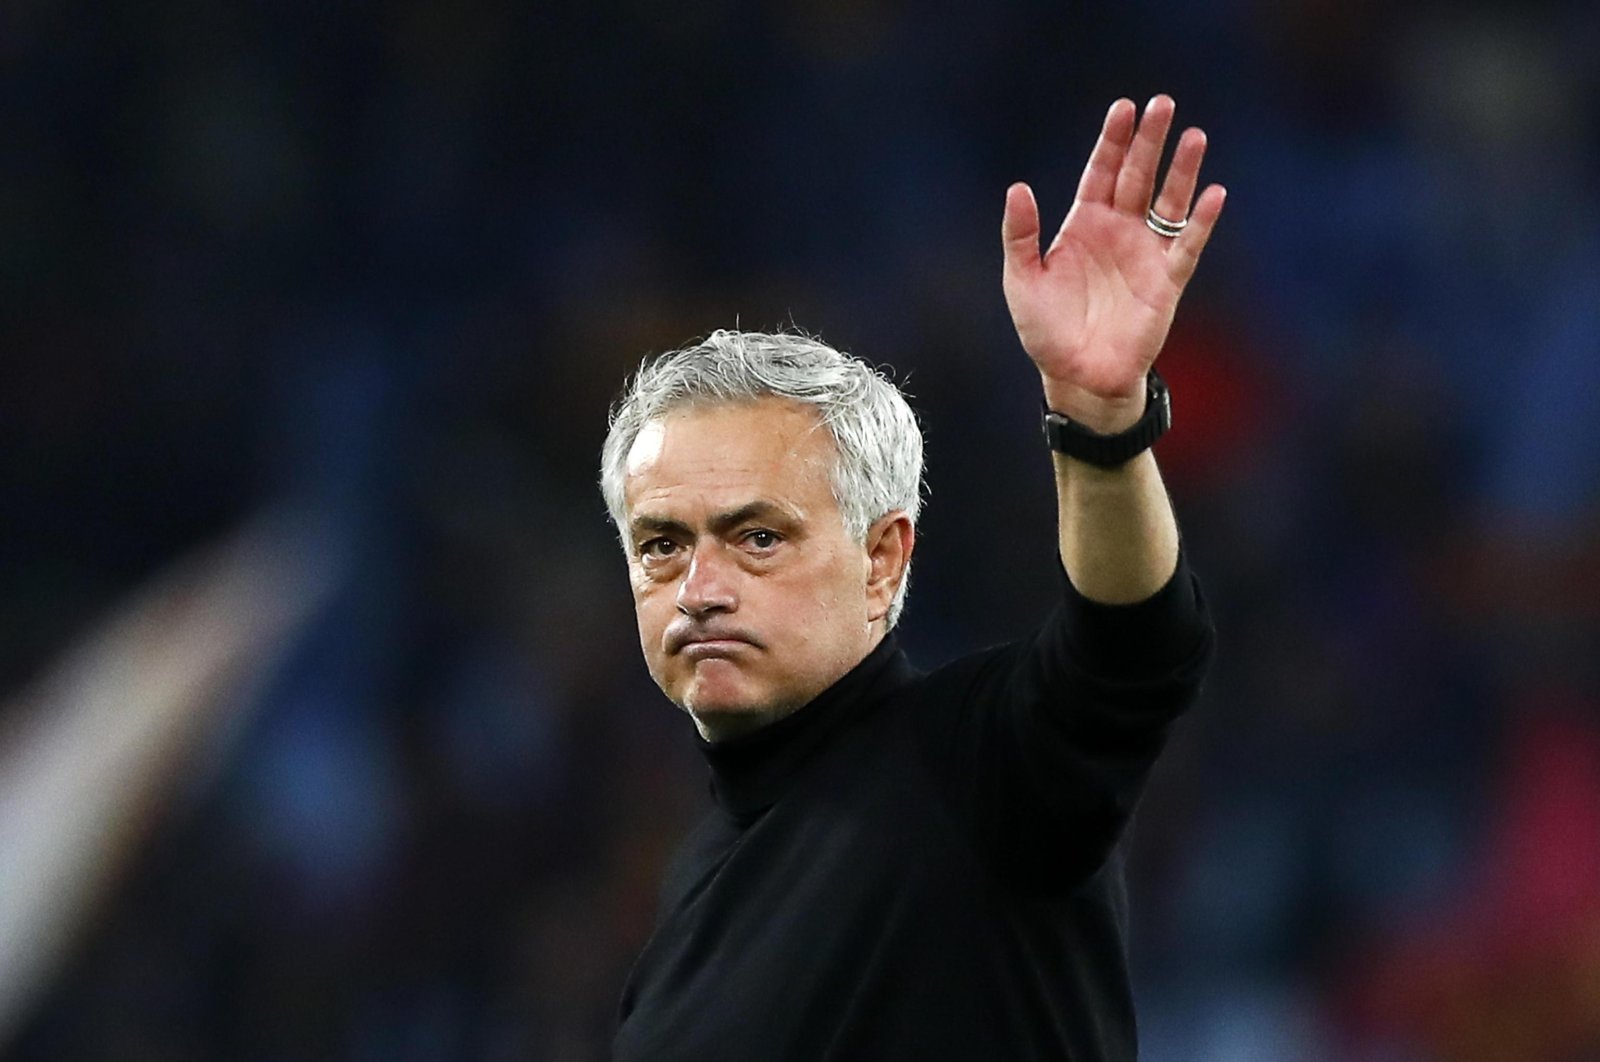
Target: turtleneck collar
column 750, row 772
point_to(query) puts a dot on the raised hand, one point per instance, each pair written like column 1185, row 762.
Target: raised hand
column 1094, row 309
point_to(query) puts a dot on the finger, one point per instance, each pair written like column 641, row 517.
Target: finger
column 1185, row 253
column 1099, row 178
column 1137, row 181
column 1183, row 176
column 1019, row 230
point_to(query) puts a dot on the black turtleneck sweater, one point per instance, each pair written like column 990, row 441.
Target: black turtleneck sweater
column 925, row 866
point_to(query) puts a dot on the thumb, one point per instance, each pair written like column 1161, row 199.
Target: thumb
column 1019, row 230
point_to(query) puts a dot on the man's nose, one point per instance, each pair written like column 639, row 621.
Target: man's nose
column 708, row 585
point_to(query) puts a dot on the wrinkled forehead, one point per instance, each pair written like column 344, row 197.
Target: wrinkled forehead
column 770, row 445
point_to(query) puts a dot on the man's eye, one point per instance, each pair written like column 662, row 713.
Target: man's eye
column 658, row 547
column 762, row 539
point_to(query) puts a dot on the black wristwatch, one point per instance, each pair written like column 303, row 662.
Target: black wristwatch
column 1066, row 436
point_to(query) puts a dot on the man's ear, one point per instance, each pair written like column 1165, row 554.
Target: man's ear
column 890, row 541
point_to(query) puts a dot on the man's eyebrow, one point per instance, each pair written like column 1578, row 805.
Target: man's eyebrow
column 719, row 523
column 756, row 510
column 657, row 523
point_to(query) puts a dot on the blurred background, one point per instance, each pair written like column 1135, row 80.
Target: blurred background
column 323, row 728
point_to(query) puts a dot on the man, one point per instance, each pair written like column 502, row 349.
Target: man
column 904, row 865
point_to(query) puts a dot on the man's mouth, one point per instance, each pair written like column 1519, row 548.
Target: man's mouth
column 714, row 648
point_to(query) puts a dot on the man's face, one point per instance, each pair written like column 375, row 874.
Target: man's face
column 751, row 598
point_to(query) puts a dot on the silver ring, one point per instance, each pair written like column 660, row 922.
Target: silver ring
column 1164, row 226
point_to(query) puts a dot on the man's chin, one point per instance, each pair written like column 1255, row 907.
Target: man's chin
column 716, row 688
column 724, row 714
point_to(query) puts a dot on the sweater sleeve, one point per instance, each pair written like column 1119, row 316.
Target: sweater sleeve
column 1042, row 747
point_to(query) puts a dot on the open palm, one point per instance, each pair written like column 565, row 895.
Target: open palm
column 1094, row 308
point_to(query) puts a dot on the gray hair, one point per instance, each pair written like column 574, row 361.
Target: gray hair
column 879, row 465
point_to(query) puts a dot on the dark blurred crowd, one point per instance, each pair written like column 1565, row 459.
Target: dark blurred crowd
column 388, row 263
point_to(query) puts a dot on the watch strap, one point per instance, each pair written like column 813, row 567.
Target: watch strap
column 1066, row 436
